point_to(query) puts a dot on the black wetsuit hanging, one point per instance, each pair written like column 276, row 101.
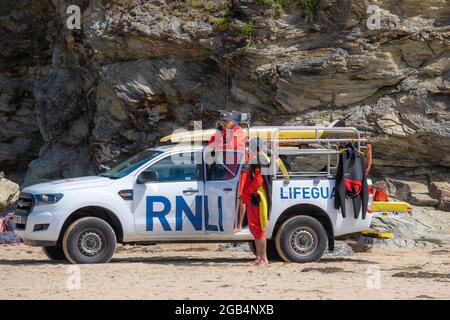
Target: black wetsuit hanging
column 351, row 182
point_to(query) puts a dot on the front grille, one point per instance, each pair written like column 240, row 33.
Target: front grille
column 25, row 203
column 20, row 221
column 20, row 226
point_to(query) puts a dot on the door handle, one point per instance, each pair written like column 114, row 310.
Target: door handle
column 190, row 191
column 227, row 189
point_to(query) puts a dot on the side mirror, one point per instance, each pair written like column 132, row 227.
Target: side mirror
column 147, row 176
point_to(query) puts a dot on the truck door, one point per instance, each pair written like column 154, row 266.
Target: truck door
column 221, row 185
column 171, row 203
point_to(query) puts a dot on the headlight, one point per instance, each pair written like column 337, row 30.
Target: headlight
column 48, row 198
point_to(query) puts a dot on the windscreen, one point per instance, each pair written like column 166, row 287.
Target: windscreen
column 128, row 166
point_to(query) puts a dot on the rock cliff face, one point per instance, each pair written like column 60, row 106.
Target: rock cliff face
column 74, row 102
column 9, row 192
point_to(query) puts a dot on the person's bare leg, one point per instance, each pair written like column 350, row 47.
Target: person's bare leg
column 256, row 261
column 242, row 209
column 263, row 261
column 258, row 252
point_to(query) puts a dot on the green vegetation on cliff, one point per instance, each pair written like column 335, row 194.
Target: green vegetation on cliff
column 308, row 6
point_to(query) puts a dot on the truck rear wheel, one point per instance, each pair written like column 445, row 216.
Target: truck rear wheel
column 55, row 253
column 89, row 240
column 301, row 239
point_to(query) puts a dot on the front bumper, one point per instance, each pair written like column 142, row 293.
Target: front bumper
column 39, row 228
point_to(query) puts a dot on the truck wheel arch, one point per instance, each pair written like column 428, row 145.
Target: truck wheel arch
column 310, row 210
column 98, row 212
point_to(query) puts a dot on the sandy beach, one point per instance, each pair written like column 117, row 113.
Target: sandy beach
column 213, row 271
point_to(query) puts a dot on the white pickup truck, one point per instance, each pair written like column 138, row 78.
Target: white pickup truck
column 148, row 199
column 171, row 193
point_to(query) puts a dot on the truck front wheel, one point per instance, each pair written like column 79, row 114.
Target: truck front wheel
column 55, row 253
column 89, row 240
column 301, row 239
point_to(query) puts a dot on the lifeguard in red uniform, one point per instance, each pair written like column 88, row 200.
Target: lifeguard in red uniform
column 251, row 199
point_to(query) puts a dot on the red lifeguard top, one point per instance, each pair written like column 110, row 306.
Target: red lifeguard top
column 231, row 137
column 252, row 183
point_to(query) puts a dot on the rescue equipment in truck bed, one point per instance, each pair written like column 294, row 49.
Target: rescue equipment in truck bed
column 377, row 234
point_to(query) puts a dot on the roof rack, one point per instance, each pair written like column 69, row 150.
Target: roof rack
column 312, row 134
column 290, row 140
column 326, row 141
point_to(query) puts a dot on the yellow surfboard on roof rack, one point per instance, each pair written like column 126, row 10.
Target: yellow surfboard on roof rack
column 262, row 132
column 285, row 134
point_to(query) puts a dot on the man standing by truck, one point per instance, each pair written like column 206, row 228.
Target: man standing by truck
column 252, row 200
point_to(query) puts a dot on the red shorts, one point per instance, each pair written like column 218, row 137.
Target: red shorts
column 254, row 222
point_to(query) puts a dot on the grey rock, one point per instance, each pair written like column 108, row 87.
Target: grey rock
column 402, row 243
column 19, row 134
column 418, row 191
column 426, row 227
column 61, row 106
column 58, row 160
column 9, row 193
column 23, row 30
column 237, row 247
column 444, row 204
column 440, row 189
column 341, row 249
column 423, row 200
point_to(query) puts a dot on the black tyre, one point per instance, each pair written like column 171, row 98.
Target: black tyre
column 272, row 253
column 301, row 239
column 89, row 240
column 55, row 253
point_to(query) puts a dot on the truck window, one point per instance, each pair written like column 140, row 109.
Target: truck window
column 221, row 170
column 309, row 165
column 170, row 168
